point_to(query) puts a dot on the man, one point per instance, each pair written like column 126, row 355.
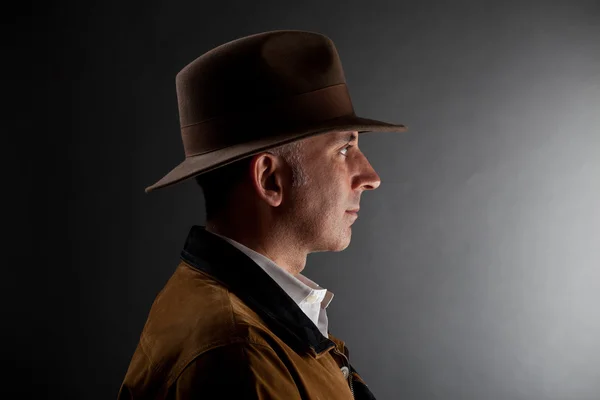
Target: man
column 270, row 134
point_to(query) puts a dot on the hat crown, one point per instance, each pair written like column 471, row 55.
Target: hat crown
column 255, row 70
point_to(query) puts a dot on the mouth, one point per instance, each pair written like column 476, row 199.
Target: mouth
column 352, row 212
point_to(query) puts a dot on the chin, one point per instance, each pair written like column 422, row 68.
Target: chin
column 344, row 241
column 342, row 248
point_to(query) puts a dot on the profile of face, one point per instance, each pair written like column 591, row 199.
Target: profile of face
column 337, row 174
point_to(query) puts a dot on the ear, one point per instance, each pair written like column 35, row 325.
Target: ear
column 267, row 176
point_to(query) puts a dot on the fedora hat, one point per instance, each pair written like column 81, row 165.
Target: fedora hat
column 260, row 92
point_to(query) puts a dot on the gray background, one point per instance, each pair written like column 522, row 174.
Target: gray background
column 474, row 270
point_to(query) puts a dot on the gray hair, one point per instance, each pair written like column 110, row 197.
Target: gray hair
column 217, row 185
column 292, row 154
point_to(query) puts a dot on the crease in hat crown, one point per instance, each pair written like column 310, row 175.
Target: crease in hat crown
column 258, row 92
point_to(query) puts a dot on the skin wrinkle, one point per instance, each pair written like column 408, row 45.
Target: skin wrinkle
column 293, row 200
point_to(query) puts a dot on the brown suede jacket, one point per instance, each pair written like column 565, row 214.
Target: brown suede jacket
column 221, row 328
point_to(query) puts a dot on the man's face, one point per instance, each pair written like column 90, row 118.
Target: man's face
column 338, row 173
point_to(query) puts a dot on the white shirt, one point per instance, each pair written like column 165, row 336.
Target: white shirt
column 310, row 297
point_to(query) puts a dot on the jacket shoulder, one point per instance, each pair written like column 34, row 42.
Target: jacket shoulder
column 192, row 314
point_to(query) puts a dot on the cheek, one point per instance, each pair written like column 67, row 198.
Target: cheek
column 328, row 190
column 334, row 198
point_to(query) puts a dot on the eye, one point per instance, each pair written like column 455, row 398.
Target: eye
column 346, row 148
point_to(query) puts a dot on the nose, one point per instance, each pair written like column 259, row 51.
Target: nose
column 368, row 178
column 374, row 182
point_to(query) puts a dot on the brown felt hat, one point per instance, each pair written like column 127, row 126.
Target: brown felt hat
column 260, row 92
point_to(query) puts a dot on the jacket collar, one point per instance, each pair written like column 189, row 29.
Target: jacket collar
column 242, row 276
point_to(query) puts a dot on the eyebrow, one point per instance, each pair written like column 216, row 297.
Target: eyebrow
column 345, row 139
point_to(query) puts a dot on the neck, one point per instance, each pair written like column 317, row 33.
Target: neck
column 270, row 240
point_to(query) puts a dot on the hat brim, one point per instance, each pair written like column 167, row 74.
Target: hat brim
column 203, row 163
